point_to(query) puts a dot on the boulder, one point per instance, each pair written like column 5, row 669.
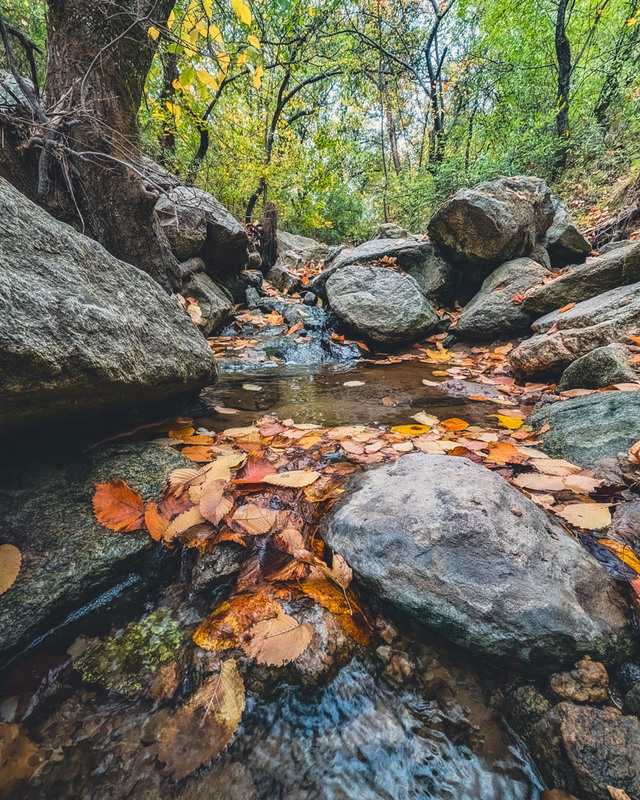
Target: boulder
column 284, row 279
column 380, row 304
column 587, row 682
column 494, row 222
column 389, row 230
column 215, row 304
column 584, row 750
column 463, row 551
column 184, row 211
column 296, row 251
column 81, row 331
column 563, row 240
column 586, row 430
column 625, row 527
column 618, row 268
column 599, row 368
column 493, row 312
column 68, row 558
column 436, row 278
column 563, row 337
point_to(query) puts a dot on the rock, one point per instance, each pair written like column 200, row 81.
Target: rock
column 184, row 210
column 183, row 221
column 610, row 246
column 380, row 304
column 309, row 299
column 625, row 527
column 493, row 312
column 284, row 279
column 586, row 430
column 237, row 285
column 296, row 251
column 492, row 222
column 599, row 368
column 191, row 267
column 620, row 267
column 214, row 303
column 80, row 331
column 225, row 559
column 632, row 700
column 68, row 558
column 19, row 758
column 435, row 277
column 588, row 682
column 128, row 661
column 524, row 708
column 584, row 750
column 230, row 781
column 563, row 337
column 459, row 548
column 389, row 230
column 540, row 255
column 563, row 240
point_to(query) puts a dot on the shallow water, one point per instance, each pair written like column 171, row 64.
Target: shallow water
column 361, row 736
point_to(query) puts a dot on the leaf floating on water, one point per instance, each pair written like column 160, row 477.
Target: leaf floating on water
column 455, row 424
column 425, row 419
column 352, row 384
column 623, row 552
column 590, row 516
column 410, row 430
column 340, row 572
column 253, row 519
column 222, row 629
column 251, row 387
column 555, row 466
column 508, row 422
column 201, row 728
column 539, row 483
column 294, row 479
column 10, row 563
column 118, row 507
column 214, row 504
column 278, row 641
column 223, row 410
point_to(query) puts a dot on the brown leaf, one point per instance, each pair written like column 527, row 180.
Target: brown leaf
column 10, row 563
column 277, row 641
column 199, row 453
column 634, row 453
column 118, row 507
column 181, row 479
column 539, row 483
column 214, row 505
column 295, row 479
column 156, row 522
column 183, row 522
column 591, row 516
column 201, row 728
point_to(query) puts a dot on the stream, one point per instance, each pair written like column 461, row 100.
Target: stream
column 365, row 733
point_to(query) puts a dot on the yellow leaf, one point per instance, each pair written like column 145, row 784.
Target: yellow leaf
column 411, row 430
column 508, row 422
column 153, row 33
column 253, row 41
column 172, row 19
column 257, row 77
column 214, row 33
column 623, row 552
column 242, row 58
column 207, row 79
column 242, row 10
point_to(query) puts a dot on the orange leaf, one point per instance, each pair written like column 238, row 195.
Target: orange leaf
column 199, row 453
column 566, row 308
column 118, row 507
column 455, row 424
column 156, row 523
column 254, row 469
column 10, row 563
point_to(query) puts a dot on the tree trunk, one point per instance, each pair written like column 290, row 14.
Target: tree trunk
column 99, row 54
column 563, row 55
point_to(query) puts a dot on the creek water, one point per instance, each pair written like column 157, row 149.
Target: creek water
column 364, row 733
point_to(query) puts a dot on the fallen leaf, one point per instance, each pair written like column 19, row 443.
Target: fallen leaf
column 199, row 453
column 10, row 563
column 565, row 308
column 582, row 484
column 634, row 453
column 251, row 387
column 411, row 430
column 222, row 629
column 425, row 419
column 277, row 641
column 555, row 466
column 507, row 422
column 590, row 516
column 623, row 552
column 225, row 411
column 183, row 522
column 539, row 483
column 455, row 424
column 295, row 479
column 351, row 384
column 201, row 728
column 118, row 507
column 253, row 519
column 214, row 504
column 156, row 523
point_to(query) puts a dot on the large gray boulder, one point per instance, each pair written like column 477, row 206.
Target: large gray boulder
column 68, row 558
column 563, row 240
column 619, row 267
column 564, row 336
column 463, row 551
column 380, row 304
column 599, row 368
column 215, row 303
column 436, row 278
column 493, row 222
column 586, row 750
column 296, row 251
column 81, row 331
column 586, row 430
column 495, row 310
column 185, row 212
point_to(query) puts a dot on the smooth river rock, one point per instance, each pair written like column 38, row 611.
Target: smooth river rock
column 81, row 331
column 586, row 430
column 68, row 558
column 564, row 241
column 562, row 337
column 463, row 551
column 599, row 368
column 380, row 304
